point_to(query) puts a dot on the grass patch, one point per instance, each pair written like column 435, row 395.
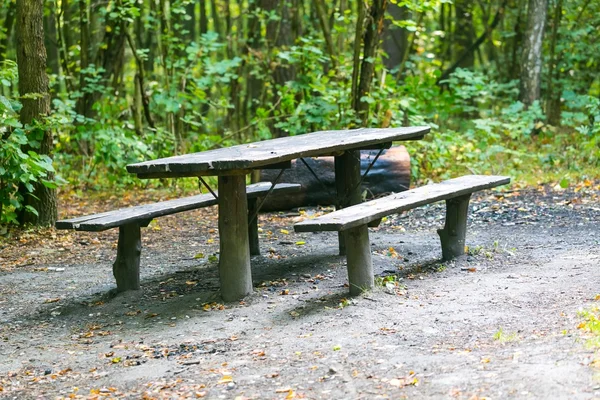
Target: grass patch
column 506, row 337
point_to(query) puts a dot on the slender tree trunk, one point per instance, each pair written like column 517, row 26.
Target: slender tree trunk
column 373, row 31
column 51, row 40
column 325, row 27
column 395, row 40
column 531, row 58
column 190, row 24
column 515, row 44
column 203, row 18
column 33, row 88
column 464, row 33
column 279, row 35
column 553, row 112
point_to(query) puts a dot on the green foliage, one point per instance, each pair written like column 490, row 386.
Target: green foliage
column 219, row 87
column 20, row 164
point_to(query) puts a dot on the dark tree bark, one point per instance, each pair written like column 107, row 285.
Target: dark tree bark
column 190, row 23
column 464, row 34
column 395, row 39
column 469, row 52
column 553, row 112
column 279, row 35
column 203, row 18
column 33, row 88
column 51, row 40
column 373, row 31
column 531, row 58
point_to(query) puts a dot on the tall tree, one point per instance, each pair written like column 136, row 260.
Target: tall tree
column 373, row 30
column 464, row 34
column 531, row 59
column 33, row 88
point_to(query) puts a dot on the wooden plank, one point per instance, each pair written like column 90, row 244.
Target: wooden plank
column 234, row 257
column 259, row 154
column 363, row 213
column 112, row 219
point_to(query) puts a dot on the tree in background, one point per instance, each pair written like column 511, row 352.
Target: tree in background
column 531, row 60
column 132, row 80
column 35, row 99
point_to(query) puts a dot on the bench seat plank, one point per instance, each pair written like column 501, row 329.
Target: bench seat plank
column 364, row 213
column 111, row 219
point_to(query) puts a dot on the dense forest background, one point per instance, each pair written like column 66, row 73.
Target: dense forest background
column 89, row 86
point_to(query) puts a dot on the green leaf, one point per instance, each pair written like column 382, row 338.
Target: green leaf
column 32, row 210
column 49, row 184
column 564, row 183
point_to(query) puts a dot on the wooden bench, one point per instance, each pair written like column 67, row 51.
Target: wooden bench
column 126, row 268
column 354, row 220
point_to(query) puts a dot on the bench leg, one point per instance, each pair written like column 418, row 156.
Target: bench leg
column 455, row 228
column 347, row 178
column 360, row 266
column 126, row 268
column 253, row 227
column 234, row 263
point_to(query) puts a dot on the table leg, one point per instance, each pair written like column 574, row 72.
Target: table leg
column 234, row 264
column 347, row 177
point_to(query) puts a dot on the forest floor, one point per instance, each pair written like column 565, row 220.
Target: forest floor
column 501, row 322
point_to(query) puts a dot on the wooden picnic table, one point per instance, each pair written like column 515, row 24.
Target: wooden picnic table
column 232, row 164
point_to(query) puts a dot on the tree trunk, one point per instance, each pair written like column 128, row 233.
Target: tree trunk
column 190, row 24
column 374, row 28
column 395, row 40
column 464, row 34
column 554, row 88
column 203, row 18
column 33, row 88
column 531, row 58
column 279, row 35
column 50, row 40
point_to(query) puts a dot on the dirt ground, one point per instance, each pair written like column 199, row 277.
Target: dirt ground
column 499, row 323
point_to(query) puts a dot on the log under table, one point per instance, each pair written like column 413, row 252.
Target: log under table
column 232, row 164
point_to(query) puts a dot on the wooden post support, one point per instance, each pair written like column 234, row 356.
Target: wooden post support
column 126, row 268
column 455, row 228
column 234, row 264
column 347, row 177
column 253, row 227
column 360, row 266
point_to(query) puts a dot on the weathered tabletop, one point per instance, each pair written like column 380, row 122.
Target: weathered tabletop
column 231, row 164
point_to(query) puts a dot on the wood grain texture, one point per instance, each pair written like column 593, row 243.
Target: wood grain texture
column 126, row 268
column 123, row 216
column 261, row 154
column 453, row 236
column 234, row 256
column 366, row 212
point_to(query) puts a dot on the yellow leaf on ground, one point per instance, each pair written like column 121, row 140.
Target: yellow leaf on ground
column 284, row 231
column 225, row 379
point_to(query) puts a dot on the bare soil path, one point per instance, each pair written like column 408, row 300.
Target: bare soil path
column 499, row 323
